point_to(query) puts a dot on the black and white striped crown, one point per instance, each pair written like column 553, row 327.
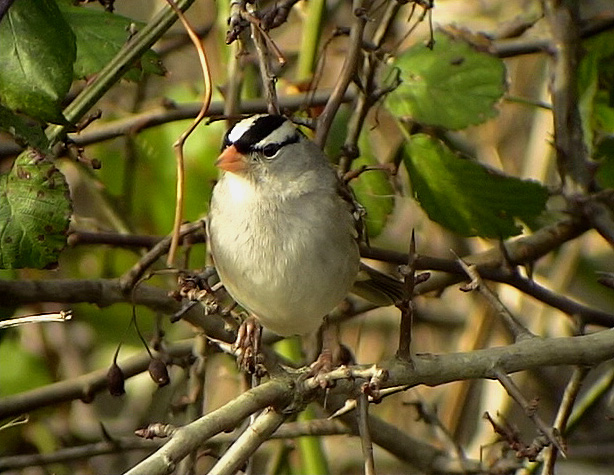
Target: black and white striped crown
column 260, row 132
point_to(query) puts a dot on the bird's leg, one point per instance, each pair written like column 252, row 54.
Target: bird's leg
column 327, row 342
column 332, row 353
column 247, row 345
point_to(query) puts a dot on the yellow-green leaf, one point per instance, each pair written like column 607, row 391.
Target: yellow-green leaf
column 452, row 85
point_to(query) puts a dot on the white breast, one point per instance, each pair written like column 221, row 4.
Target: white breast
column 288, row 262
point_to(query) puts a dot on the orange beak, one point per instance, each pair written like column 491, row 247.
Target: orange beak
column 231, row 160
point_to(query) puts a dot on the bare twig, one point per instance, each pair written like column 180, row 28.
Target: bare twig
column 380, row 394
column 163, row 115
column 347, row 372
column 254, row 435
column 426, row 10
column 520, row 250
column 365, row 434
column 516, row 328
column 195, row 398
column 360, row 8
column 130, row 278
column 369, row 93
column 430, row 369
column 492, row 265
column 416, row 452
column 516, row 47
column 156, row 431
column 191, row 436
column 268, row 77
column 428, row 413
column 560, row 422
column 84, row 387
column 488, row 267
column 368, row 96
column 590, row 398
column 509, row 434
column 600, row 216
column 426, row 369
column 572, row 155
column 114, row 69
column 406, row 305
column 71, row 454
column 386, row 22
column 236, row 23
column 318, row 427
column 232, row 92
column 16, row 421
column 77, row 238
column 530, row 409
column 276, row 14
column 61, row 316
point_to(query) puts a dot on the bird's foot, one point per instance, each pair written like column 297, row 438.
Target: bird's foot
column 321, row 367
column 331, row 356
column 247, row 346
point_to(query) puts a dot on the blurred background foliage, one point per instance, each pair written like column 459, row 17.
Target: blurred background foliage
column 134, row 192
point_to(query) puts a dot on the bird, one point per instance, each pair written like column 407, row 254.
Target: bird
column 283, row 229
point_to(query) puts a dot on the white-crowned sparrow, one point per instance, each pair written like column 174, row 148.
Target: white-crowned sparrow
column 282, row 235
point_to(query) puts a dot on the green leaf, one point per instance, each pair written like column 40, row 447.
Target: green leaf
column 100, row 35
column 25, row 133
column 453, row 85
column 35, row 209
column 466, row 197
column 37, row 55
column 372, row 189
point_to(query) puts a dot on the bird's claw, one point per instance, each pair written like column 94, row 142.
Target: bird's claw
column 321, row 367
column 247, row 346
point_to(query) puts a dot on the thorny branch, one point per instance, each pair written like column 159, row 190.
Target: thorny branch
column 406, row 305
column 530, row 409
column 490, row 265
column 516, row 328
column 428, row 369
column 493, row 265
column 510, row 435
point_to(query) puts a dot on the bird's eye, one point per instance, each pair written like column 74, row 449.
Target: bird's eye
column 270, row 150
